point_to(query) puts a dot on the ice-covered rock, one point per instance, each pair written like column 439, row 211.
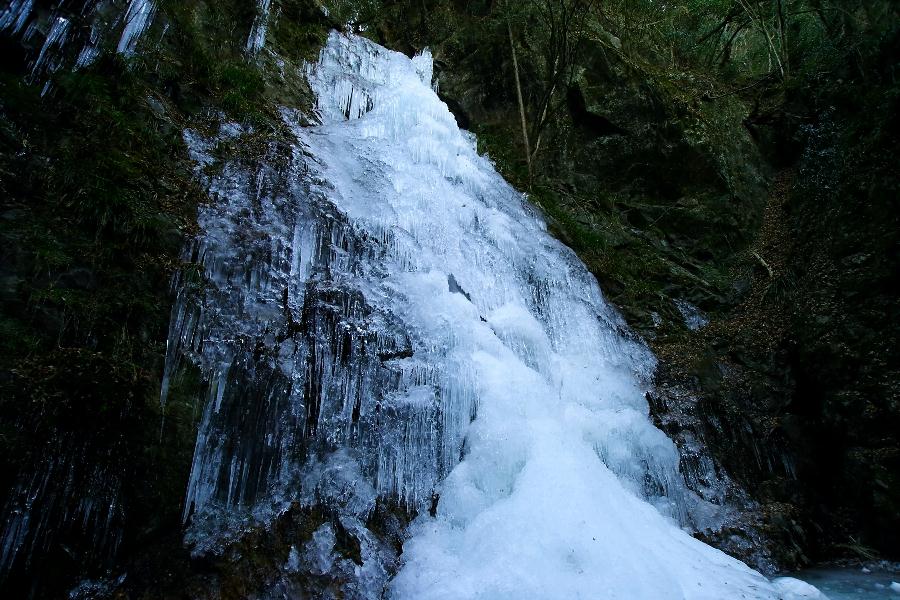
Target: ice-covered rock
column 790, row 588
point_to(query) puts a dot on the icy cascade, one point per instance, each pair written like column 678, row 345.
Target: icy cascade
column 550, row 497
column 385, row 317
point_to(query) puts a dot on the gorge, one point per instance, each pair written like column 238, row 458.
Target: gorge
column 383, row 375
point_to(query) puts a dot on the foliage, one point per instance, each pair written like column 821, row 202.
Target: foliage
column 750, row 39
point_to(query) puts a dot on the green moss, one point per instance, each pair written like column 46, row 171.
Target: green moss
column 502, row 144
column 300, row 30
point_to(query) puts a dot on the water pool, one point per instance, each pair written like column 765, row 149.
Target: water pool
column 855, row 583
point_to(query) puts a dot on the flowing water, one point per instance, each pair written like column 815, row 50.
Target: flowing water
column 876, row 583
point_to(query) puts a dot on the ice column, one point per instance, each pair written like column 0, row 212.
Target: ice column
column 257, row 39
column 138, row 17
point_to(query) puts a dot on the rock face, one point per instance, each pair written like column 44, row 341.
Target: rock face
column 844, row 351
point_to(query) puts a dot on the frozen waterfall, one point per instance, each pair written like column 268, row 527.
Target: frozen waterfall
column 387, row 317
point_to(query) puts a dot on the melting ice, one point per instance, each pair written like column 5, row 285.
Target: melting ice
column 393, row 319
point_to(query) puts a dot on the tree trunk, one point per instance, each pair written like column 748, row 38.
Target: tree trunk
column 759, row 20
column 512, row 47
column 782, row 28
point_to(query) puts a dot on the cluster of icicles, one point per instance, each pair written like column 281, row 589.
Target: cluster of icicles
column 127, row 28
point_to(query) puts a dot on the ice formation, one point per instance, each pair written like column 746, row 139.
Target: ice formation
column 55, row 40
column 138, row 18
column 386, row 317
column 694, row 319
column 257, row 39
column 15, row 15
column 794, row 589
column 91, row 49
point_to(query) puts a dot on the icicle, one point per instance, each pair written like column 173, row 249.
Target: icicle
column 91, row 50
column 257, row 39
column 138, row 18
column 16, row 15
column 53, row 43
